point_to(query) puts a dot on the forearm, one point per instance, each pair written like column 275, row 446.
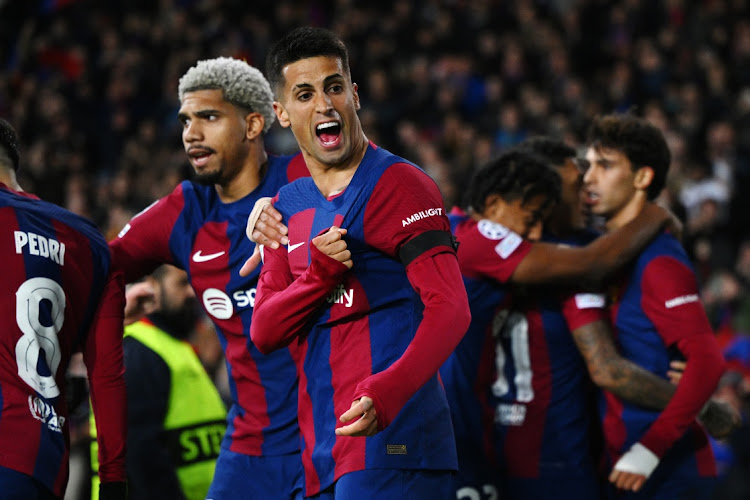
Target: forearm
column 705, row 365
column 613, row 373
column 445, row 319
column 283, row 307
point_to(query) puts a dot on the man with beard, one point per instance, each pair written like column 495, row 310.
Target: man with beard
column 176, row 418
column 226, row 109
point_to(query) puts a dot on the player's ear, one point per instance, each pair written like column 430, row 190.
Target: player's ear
column 281, row 114
column 643, row 177
column 254, row 123
column 356, row 96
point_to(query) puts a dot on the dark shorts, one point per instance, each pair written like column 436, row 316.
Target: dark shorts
column 391, row 483
column 244, row 477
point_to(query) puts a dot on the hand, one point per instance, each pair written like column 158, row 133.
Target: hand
column 264, row 225
column 252, row 262
column 366, row 425
column 720, row 418
column 676, row 369
column 674, row 225
column 140, row 300
column 332, row 243
column 633, row 468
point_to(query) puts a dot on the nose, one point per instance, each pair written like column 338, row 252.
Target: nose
column 191, row 132
column 588, row 176
column 323, row 103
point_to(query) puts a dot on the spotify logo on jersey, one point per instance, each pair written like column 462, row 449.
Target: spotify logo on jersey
column 217, row 303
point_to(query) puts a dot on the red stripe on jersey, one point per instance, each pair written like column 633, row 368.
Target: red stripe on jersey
column 351, row 363
column 297, row 168
column 530, row 435
column 215, row 274
column 300, row 226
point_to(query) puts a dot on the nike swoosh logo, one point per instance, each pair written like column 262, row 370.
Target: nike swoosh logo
column 198, row 257
column 296, row 245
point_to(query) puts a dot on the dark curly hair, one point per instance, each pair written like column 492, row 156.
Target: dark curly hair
column 513, row 175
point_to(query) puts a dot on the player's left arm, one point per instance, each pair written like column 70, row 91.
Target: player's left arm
column 671, row 301
column 426, row 249
column 103, row 356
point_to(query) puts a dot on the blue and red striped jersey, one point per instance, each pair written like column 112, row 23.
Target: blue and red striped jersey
column 544, row 394
column 352, row 332
column 488, row 255
column 194, row 230
column 658, row 317
column 58, row 297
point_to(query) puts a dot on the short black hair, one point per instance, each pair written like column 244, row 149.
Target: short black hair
column 640, row 141
column 303, row 43
column 513, row 175
column 9, row 142
column 553, row 151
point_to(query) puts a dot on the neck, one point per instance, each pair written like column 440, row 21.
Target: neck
column 246, row 180
column 333, row 179
column 8, row 177
column 628, row 212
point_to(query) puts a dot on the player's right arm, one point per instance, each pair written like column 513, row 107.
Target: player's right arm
column 548, row 262
column 103, row 356
column 283, row 305
column 143, row 244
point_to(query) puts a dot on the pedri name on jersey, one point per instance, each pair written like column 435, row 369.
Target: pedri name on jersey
column 40, row 246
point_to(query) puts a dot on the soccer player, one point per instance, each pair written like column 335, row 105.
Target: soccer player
column 509, row 199
column 176, row 418
column 368, row 291
column 226, row 108
column 59, row 296
column 658, row 317
column 542, row 388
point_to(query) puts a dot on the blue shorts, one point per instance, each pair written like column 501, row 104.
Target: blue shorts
column 245, row 477
column 16, row 485
column 374, row 484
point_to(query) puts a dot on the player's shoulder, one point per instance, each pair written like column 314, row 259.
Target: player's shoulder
column 46, row 209
column 664, row 244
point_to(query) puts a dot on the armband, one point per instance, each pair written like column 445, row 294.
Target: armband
column 424, row 242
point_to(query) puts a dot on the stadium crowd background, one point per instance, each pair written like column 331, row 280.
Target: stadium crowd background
column 91, row 87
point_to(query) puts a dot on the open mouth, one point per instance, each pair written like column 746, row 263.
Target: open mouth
column 199, row 156
column 328, row 133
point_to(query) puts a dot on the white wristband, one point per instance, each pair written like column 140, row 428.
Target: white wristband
column 638, row 460
column 252, row 219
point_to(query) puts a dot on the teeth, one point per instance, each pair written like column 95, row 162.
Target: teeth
column 326, row 125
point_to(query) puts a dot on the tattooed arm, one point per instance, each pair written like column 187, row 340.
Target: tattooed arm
column 613, row 373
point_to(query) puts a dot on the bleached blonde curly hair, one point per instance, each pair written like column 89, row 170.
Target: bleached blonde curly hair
column 242, row 85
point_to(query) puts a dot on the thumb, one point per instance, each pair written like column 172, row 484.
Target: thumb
column 251, row 263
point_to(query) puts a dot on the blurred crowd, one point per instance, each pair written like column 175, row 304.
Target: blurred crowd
column 91, row 87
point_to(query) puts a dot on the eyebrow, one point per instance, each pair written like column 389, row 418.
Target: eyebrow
column 326, row 81
column 203, row 113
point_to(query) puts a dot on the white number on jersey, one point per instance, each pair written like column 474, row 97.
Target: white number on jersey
column 514, row 326
column 38, row 337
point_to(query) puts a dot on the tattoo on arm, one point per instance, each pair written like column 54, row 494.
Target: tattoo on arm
column 610, row 371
